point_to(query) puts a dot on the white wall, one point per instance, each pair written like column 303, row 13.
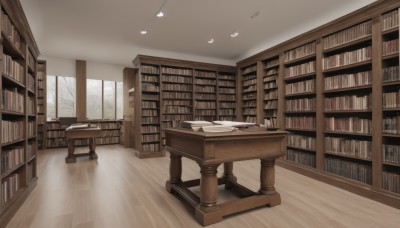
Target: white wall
column 67, row 67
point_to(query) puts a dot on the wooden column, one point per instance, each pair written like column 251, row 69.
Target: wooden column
column 81, row 90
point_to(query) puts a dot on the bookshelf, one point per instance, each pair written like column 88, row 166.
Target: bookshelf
column 338, row 91
column 18, row 112
column 248, row 96
column 270, row 80
column 41, row 104
column 187, row 91
column 110, row 133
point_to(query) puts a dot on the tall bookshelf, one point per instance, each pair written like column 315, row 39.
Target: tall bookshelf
column 187, row 91
column 338, row 90
column 271, row 94
column 41, row 104
column 18, row 112
column 248, row 93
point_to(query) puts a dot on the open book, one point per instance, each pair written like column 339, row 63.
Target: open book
column 79, row 126
column 195, row 125
column 234, row 123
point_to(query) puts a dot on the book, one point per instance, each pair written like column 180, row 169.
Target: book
column 195, row 125
column 234, row 124
column 217, row 128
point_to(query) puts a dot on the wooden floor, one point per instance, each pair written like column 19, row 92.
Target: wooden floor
column 120, row 190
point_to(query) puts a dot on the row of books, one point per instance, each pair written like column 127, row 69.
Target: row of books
column 11, row 158
column 250, row 111
column 150, row 97
column 347, row 58
column 227, row 90
column 151, row 120
column 227, row 83
column 300, row 87
column 390, row 47
column 303, row 104
column 249, row 69
column 149, row 104
column 13, row 100
column 250, row 82
column 226, row 97
column 227, row 112
column 170, row 124
column 205, row 89
column 271, row 63
column 206, row 112
column 301, row 141
column 106, row 140
column 249, row 77
column 30, row 82
column 391, row 125
column 391, row 182
column 30, row 149
column 300, row 122
column 8, row 28
column 391, row 100
column 300, row 52
column 227, row 118
column 150, row 129
column 201, row 81
column 150, row 112
column 351, row 102
column 177, row 87
column 355, row 171
column 301, row 69
column 11, row 130
column 177, row 109
column 348, row 147
column 9, row 186
column 348, row 80
column 208, row 96
column 273, row 72
column 13, row 69
column 179, row 71
column 203, row 104
column 150, row 78
column 40, row 84
column 150, row 138
column 271, row 85
column 347, row 35
column 56, row 134
column 300, row 157
column 150, row 87
column 205, row 74
column 30, row 172
column 271, row 104
column 181, row 117
column 178, row 102
column 391, row 153
column 177, row 95
column 271, row 122
column 227, row 105
column 31, row 61
column 40, row 93
column 270, row 78
column 251, row 103
column 271, row 94
column 149, row 69
column 391, row 74
column 390, row 20
column 31, row 129
column 250, row 119
column 227, row 77
column 348, row 124
column 177, row 79
column 151, row 147
column 57, row 142
column 41, row 119
column 252, row 88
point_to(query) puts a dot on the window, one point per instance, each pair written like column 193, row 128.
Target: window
column 94, row 99
column 109, row 100
column 61, row 97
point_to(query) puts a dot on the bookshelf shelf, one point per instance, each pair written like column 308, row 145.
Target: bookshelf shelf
column 4, row 175
column 391, row 136
column 347, row 156
column 300, row 77
column 348, row 133
column 391, row 164
column 360, row 41
column 306, row 94
column 390, row 56
column 10, row 48
column 349, row 66
column 349, row 89
column 300, row 148
column 300, row 60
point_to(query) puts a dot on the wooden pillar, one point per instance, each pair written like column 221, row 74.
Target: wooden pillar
column 81, row 90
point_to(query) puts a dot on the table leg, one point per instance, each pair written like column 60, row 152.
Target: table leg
column 228, row 175
column 267, row 179
column 92, row 148
column 175, row 171
column 70, row 158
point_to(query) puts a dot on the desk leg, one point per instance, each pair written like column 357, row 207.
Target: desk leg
column 228, row 175
column 267, row 179
column 70, row 158
column 92, row 148
column 208, row 212
column 175, row 171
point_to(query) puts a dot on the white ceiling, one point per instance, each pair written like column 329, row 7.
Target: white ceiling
column 108, row 30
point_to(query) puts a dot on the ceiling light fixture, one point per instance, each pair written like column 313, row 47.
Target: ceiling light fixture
column 234, row 34
column 143, row 32
column 160, row 13
column 210, row 41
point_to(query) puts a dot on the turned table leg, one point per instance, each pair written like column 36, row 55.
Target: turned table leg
column 70, row 158
column 228, row 176
column 92, row 149
column 267, row 179
column 175, row 171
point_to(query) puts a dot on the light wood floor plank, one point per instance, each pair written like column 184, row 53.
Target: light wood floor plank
column 120, row 190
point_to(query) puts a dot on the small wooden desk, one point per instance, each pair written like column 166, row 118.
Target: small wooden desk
column 82, row 133
column 210, row 150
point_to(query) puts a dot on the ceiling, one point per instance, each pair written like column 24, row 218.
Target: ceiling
column 109, row 31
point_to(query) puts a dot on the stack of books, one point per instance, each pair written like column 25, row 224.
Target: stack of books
column 195, row 125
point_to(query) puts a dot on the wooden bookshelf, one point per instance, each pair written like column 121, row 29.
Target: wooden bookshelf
column 338, row 89
column 248, row 93
column 19, row 118
column 187, row 91
column 110, row 133
column 41, row 104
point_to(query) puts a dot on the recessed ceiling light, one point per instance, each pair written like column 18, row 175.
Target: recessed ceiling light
column 143, row 32
column 234, row 34
column 160, row 14
column 210, row 41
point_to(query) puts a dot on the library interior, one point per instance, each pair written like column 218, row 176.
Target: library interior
column 192, row 113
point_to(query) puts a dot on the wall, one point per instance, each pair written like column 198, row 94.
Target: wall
column 66, row 67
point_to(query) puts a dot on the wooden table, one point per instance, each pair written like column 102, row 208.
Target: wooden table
column 210, row 150
column 82, row 133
